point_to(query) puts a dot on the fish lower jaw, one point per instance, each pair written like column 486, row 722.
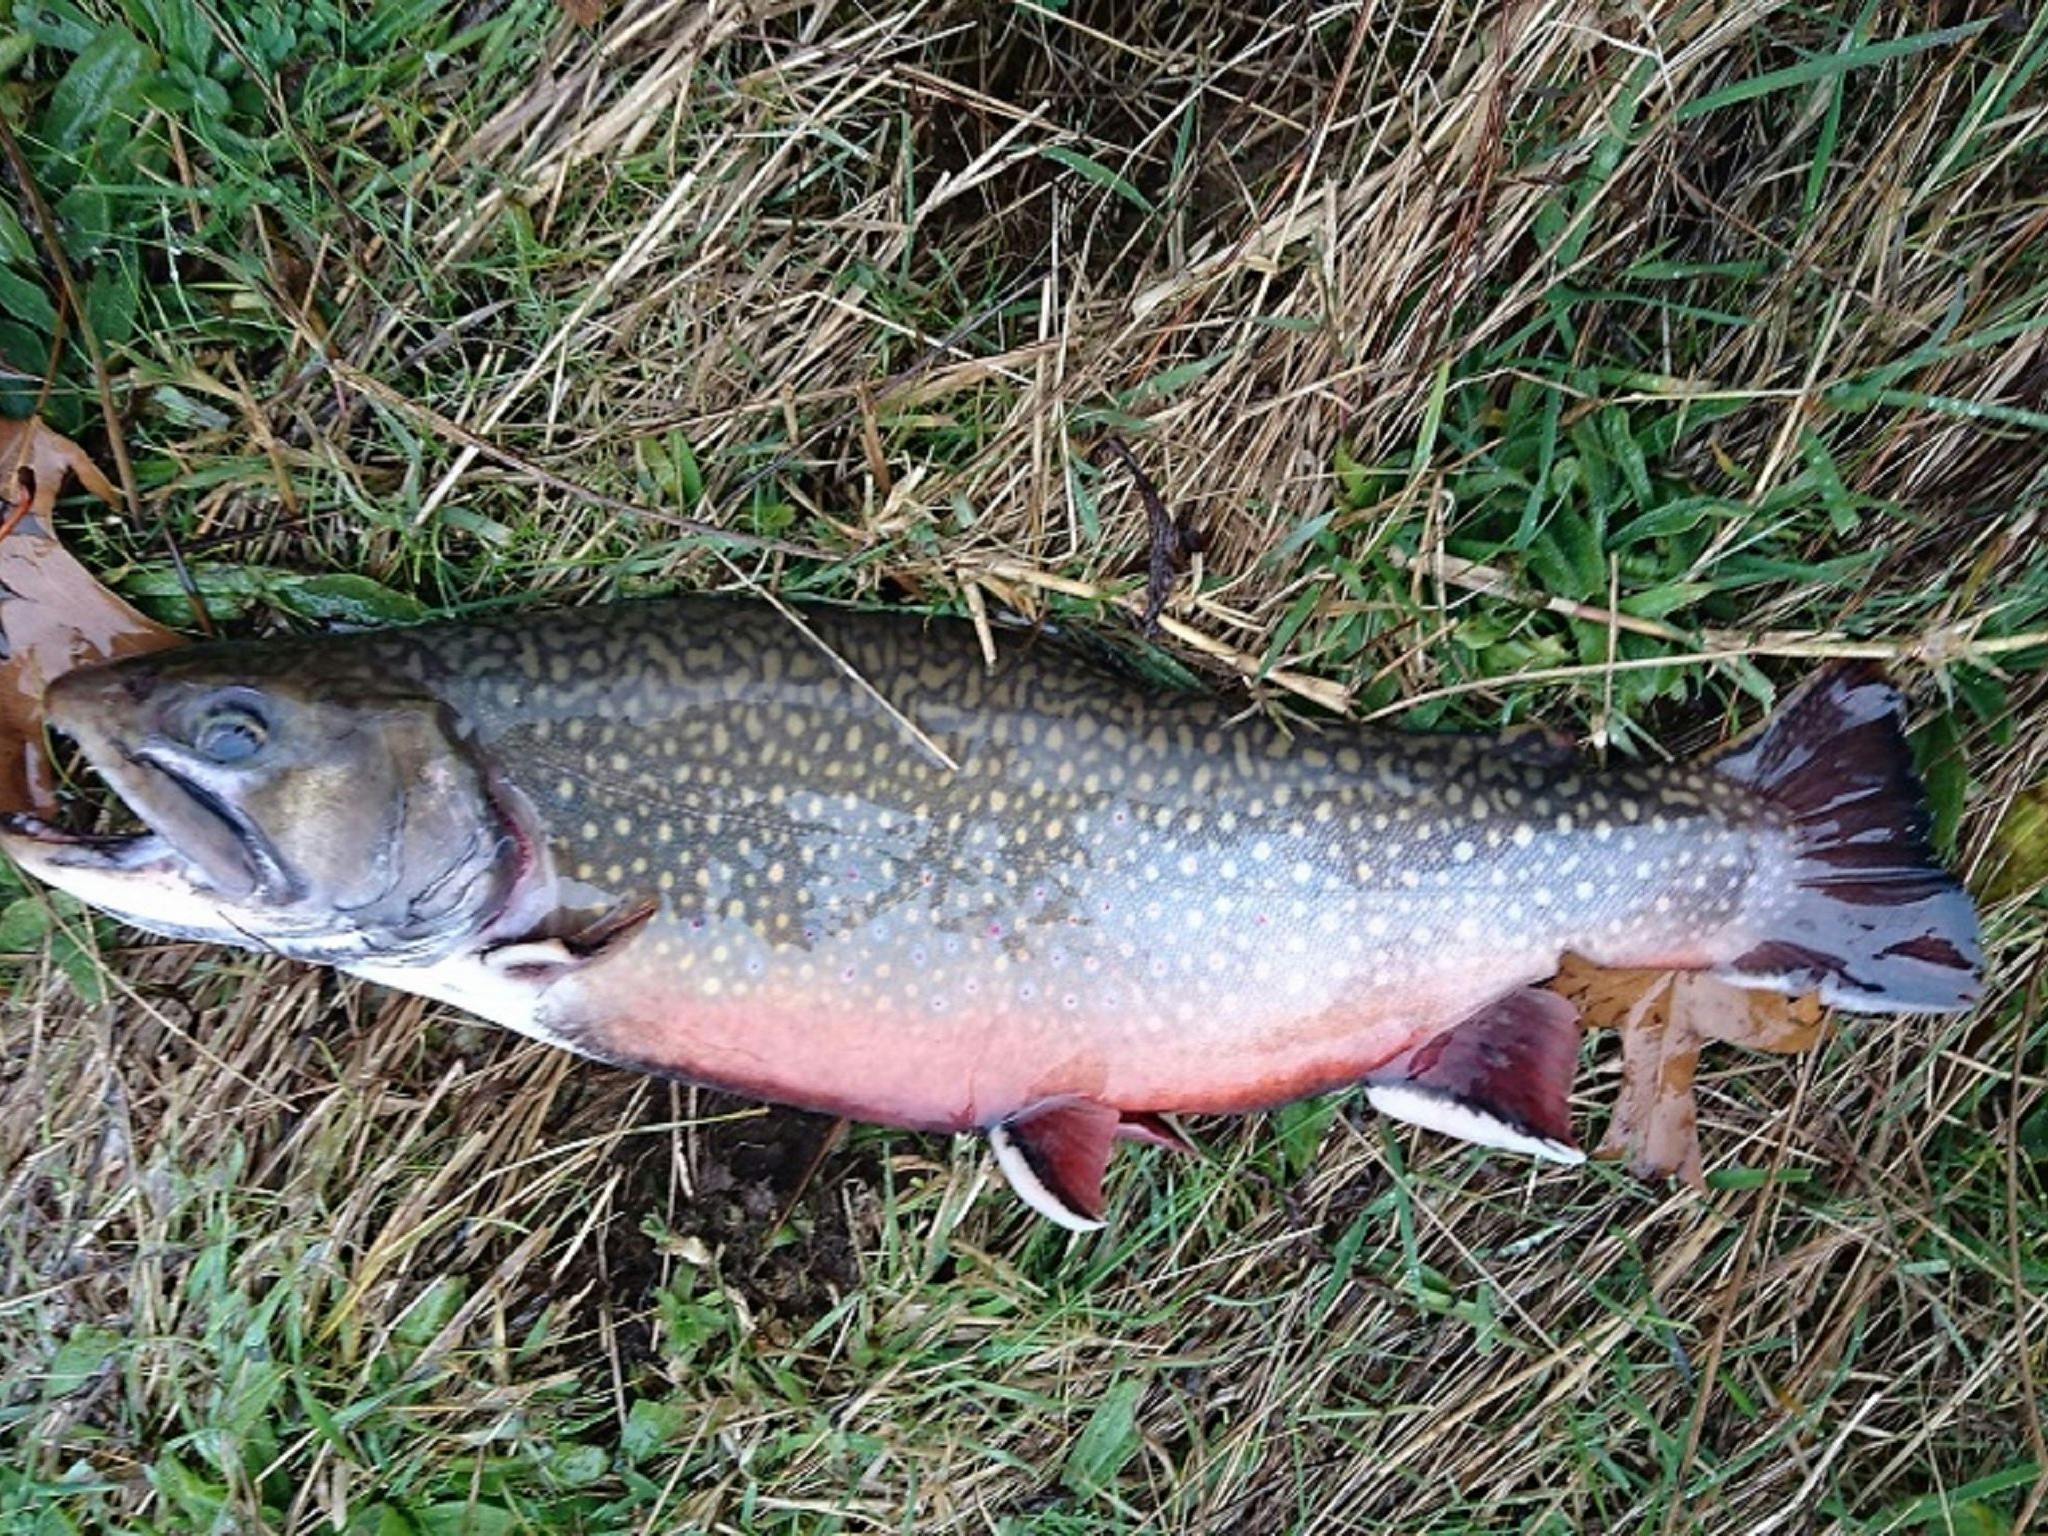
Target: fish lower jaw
column 140, row 879
column 30, row 841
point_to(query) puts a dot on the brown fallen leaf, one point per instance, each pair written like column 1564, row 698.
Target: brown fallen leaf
column 1663, row 1017
column 53, row 615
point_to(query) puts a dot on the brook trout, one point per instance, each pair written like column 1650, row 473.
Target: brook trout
column 1039, row 902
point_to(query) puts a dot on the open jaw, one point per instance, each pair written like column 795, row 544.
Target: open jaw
column 194, row 855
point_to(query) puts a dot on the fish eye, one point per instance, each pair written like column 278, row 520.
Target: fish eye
column 230, row 733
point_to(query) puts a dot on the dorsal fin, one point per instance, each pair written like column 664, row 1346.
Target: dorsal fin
column 1501, row 1078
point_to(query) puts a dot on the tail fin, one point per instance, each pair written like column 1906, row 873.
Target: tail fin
column 1871, row 920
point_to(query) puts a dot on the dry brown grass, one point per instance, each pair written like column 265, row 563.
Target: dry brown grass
column 283, row 1253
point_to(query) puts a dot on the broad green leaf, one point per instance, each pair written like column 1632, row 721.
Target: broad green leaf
column 79, row 1359
column 23, row 925
column 652, row 1424
column 24, row 298
column 15, row 244
column 81, row 967
column 466, row 1518
column 341, row 596
column 101, row 83
column 1170, row 380
column 184, row 1489
column 1660, row 602
column 577, row 1465
column 1938, row 746
column 1299, row 1128
column 1107, row 1442
column 337, row 597
column 110, row 303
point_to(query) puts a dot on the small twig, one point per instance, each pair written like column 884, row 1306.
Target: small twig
column 16, row 511
column 1944, row 643
column 977, row 610
column 1174, row 540
column 1717, row 1340
column 1317, row 690
column 810, row 1173
column 853, row 674
column 1494, row 582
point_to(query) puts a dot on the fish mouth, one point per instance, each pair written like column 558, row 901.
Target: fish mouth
column 187, row 830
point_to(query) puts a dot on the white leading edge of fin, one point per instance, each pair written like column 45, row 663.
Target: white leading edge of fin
column 1438, row 1112
column 534, row 954
column 474, row 984
column 1031, row 1188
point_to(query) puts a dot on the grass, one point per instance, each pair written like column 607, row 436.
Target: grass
column 1528, row 362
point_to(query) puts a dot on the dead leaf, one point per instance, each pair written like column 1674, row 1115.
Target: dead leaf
column 2016, row 860
column 1663, row 1017
column 53, row 615
column 585, row 13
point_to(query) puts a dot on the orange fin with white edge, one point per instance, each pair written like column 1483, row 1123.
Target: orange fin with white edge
column 1054, row 1155
column 1501, row 1078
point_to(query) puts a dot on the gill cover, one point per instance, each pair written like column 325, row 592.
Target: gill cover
column 322, row 811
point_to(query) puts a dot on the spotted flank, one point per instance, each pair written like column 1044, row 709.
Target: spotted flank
column 676, row 836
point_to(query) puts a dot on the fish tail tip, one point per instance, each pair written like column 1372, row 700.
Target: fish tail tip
column 1873, row 923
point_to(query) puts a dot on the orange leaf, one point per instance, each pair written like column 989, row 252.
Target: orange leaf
column 1663, row 1016
column 53, row 615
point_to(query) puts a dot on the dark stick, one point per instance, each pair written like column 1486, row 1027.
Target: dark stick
column 1174, row 540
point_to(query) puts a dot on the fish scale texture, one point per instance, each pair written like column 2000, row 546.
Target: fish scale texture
column 1117, row 894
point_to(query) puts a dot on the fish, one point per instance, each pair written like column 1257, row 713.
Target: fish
column 831, row 859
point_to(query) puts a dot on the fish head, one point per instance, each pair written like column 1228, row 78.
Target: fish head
column 291, row 800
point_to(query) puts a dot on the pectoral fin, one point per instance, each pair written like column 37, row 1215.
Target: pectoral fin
column 545, row 955
column 1501, row 1078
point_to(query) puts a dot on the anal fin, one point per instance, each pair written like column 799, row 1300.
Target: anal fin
column 1501, row 1078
